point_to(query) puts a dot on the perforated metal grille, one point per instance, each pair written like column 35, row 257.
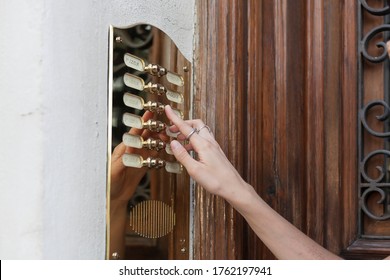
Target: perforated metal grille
column 152, row 219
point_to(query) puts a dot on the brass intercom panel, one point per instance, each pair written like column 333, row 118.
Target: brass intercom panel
column 146, row 72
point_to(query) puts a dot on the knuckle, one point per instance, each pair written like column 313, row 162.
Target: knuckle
column 207, row 145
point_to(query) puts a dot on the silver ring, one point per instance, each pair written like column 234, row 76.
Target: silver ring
column 191, row 133
column 204, row 126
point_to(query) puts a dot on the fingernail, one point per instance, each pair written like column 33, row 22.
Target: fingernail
column 170, row 133
column 175, row 145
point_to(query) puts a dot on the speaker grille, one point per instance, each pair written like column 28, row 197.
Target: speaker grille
column 152, row 219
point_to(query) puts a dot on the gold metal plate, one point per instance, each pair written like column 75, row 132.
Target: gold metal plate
column 146, row 72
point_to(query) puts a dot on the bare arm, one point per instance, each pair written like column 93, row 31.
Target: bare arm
column 215, row 173
column 279, row 235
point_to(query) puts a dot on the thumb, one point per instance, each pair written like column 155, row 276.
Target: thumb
column 182, row 155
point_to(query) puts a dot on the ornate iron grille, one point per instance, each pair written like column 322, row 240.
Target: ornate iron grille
column 374, row 119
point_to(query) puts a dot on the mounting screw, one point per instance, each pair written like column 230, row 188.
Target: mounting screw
column 115, row 256
column 118, row 39
column 182, row 242
column 186, row 69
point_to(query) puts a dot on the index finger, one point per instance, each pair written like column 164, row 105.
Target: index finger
column 183, row 127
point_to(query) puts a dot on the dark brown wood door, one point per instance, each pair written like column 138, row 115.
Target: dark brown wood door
column 278, row 83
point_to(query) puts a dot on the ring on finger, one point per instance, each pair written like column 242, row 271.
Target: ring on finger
column 204, row 126
column 191, row 133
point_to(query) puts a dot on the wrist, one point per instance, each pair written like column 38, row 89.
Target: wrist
column 242, row 196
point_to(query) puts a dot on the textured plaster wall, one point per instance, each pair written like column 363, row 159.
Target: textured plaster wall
column 53, row 111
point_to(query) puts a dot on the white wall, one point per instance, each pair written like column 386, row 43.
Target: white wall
column 53, row 112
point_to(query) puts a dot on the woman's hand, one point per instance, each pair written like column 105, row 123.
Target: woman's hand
column 212, row 170
column 216, row 174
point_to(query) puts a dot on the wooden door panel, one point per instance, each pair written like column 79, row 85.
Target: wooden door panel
column 278, row 83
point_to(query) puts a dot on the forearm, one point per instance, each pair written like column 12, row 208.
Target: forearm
column 280, row 236
column 217, row 175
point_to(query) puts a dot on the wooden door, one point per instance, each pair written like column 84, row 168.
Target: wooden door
column 278, row 81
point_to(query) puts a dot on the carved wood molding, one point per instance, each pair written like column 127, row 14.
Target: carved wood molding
column 367, row 249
